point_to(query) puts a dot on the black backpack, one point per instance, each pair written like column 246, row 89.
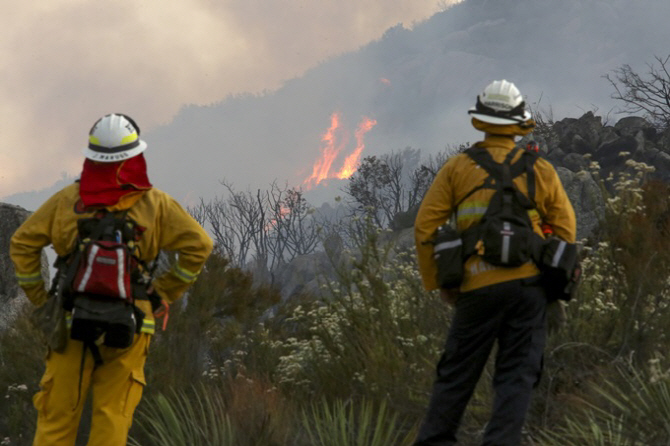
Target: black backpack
column 505, row 235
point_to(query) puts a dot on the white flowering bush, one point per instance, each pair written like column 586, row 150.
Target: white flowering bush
column 625, row 291
column 373, row 332
column 618, row 321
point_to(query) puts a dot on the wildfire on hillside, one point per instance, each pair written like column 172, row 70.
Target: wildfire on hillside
column 334, row 141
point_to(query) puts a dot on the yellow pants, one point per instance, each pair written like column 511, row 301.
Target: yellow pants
column 116, row 387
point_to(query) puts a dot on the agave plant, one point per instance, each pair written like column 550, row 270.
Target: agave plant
column 348, row 424
column 179, row 419
column 634, row 412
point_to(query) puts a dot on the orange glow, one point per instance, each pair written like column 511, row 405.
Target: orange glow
column 385, row 81
column 274, row 222
column 351, row 161
column 331, row 148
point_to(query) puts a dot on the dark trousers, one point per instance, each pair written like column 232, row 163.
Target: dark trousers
column 514, row 314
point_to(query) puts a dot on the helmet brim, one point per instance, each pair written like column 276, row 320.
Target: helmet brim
column 101, row 157
column 499, row 120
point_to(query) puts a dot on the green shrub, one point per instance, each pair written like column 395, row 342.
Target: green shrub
column 241, row 412
column 349, row 424
column 633, row 410
column 178, row 419
column 202, row 327
column 374, row 333
column 620, row 315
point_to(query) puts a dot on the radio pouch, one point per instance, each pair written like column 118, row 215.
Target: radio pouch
column 448, row 254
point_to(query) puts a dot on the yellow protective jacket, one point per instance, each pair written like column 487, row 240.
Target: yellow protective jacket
column 168, row 227
column 455, row 180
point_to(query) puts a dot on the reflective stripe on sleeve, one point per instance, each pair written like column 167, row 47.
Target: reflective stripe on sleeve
column 472, row 210
column 184, row 275
column 29, row 279
column 148, row 326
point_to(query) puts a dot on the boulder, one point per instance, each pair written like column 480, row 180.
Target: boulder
column 586, row 198
column 404, row 220
column 631, row 125
column 11, row 296
column 579, row 135
column 609, row 155
column 11, row 218
column 575, row 162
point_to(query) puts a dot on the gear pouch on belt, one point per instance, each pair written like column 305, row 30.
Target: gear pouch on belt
column 448, row 254
column 560, row 267
column 104, row 270
column 93, row 317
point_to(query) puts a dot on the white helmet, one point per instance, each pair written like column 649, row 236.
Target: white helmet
column 113, row 138
column 500, row 103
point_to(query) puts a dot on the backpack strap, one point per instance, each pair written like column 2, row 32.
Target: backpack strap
column 525, row 164
column 482, row 158
column 500, row 177
column 495, row 170
column 97, row 358
column 508, row 191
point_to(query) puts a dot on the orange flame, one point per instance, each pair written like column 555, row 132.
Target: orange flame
column 351, row 161
column 335, row 139
column 329, row 152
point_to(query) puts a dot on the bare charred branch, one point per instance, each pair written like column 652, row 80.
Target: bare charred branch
column 646, row 94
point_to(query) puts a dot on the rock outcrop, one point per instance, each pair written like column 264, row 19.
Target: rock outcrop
column 11, row 218
column 573, row 145
column 11, row 295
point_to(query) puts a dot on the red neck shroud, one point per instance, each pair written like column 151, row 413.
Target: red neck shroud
column 104, row 184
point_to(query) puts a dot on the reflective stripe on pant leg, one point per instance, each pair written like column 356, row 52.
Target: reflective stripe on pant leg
column 117, row 387
column 58, row 406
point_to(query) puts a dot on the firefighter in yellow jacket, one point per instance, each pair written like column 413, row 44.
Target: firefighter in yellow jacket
column 493, row 304
column 114, row 177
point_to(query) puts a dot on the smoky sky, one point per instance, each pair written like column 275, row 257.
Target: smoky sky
column 68, row 62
